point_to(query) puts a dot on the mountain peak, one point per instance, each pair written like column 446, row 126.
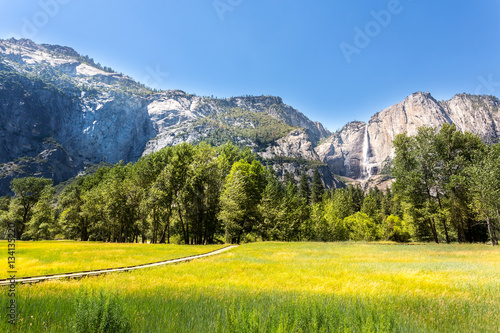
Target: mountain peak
column 52, row 92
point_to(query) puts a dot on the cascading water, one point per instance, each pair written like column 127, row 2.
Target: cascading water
column 366, row 158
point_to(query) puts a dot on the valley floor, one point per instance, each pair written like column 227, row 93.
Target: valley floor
column 285, row 287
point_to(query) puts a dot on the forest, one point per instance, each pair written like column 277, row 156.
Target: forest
column 446, row 189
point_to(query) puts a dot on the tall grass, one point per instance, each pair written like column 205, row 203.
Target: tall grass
column 298, row 287
column 99, row 313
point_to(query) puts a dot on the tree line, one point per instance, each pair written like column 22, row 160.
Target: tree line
column 446, row 189
column 449, row 184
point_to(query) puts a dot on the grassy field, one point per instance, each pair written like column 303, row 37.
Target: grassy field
column 50, row 257
column 289, row 287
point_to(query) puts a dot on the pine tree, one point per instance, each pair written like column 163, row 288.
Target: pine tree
column 317, row 188
column 304, row 189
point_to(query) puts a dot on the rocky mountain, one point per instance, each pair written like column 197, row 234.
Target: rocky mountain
column 361, row 150
column 61, row 112
column 91, row 114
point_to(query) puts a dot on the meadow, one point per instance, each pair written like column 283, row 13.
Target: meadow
column 51, row 257
column 288, row 287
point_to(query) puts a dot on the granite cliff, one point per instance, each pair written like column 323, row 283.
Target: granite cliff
column 361, row 150
column 61, row 112
column 50, row 93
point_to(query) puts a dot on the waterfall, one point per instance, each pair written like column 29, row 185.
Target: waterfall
column 366, row 158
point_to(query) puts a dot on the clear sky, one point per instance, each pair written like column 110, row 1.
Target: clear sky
column 335, row 61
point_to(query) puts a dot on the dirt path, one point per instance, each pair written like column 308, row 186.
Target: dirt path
column 35, row 279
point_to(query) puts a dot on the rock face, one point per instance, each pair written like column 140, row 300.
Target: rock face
column 343, row 150
column 50, row 95
column 59, row 111
column 360, row 150
column 53, row 162
column 296, row 144
column 50, row 92
column 176, row 116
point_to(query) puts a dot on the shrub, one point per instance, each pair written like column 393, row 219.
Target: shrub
column 397, row 229
column 361, row 227
column 99, row 313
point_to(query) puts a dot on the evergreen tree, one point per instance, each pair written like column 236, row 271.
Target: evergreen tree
column 304, row 189
column 370, row 206
column 387, row 203
column 317, row 188
column 357, row 196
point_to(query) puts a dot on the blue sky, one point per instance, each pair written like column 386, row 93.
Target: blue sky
column 335, row 61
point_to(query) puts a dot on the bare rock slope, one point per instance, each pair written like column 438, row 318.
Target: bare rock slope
column 360, row 150
column 50, row 94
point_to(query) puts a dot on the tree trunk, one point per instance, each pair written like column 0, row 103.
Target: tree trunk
column 187, row 232
column 444, row 221
column 84, row 234
column 434, row 232
column 433, row 224
column 186, row 240
column 20, row 230
column 490, row 232
column 167, row 224
column 168, row 234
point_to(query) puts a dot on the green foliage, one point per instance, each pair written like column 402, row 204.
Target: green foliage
column 239, row 124
column 334, row 212
column 317, row 187
column 43, row 223
column 370, row 206
column 240, row 199
column 174, row 192
column 27, row 193
column 322, row 230
column 484, row 177
column 99, row 313
column 362, row 228
column 4, row 203
column 397, row 230
column 357, row 196
column 294, row 214
column 432, row 178
column 270, row 207
column 304, row 191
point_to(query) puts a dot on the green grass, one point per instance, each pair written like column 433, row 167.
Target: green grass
column 292, row 287
column 51, row 257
